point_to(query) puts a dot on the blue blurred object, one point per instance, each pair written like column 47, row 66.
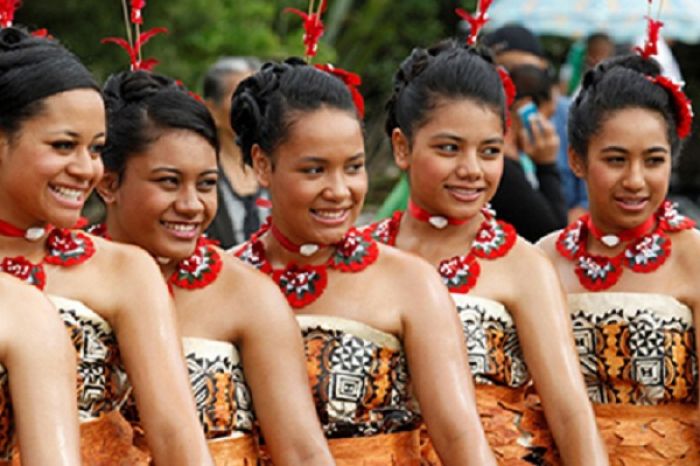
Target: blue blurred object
column 621, row 19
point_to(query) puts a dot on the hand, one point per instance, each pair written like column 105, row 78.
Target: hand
column 544, row 145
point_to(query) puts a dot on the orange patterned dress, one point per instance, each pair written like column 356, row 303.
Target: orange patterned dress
column 638, row 358
column 223, row 400
column 102, row 386
column 362, row 390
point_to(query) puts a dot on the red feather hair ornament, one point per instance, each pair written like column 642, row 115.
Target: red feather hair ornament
column 352, row 81
column 313, row 27
column 477, row 22
column 7, row 12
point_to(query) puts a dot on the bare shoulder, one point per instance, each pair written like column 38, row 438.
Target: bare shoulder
column 244, row 280
column 548, row 244
column 686, row 246
column 404, row 265
column 528, row 260
column 119, row 257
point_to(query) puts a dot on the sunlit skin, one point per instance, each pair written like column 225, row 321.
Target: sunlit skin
column 317, row 181
column 627, row 172
column 36, row 352
column 472, row 157
column 163, row 202
column 47, row 170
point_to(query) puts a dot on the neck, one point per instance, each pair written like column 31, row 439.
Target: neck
column 280, row 255
column 428, row 234
column 19, row 245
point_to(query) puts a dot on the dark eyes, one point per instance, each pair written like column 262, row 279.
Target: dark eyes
column 173, row 182
column 67, row 146
column 63, row 146
column 352, row 169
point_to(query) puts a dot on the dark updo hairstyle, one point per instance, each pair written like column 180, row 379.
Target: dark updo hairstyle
column 32, row 69
column 447, row 70
column 616, row 84
column 266, row 105
column 141, row 106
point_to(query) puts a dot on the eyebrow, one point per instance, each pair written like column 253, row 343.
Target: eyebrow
column 625, row 151
column 314, row 159
column 73, row 134
column 497, row 140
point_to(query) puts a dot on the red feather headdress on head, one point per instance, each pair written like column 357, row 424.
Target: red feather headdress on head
column 133, row 47
column 7, row 12
column 683, row 105
column 313, row 31
column 476, row 23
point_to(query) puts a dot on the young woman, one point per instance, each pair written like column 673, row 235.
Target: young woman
column 446, row 121
column 160, row 192
column 111, row 297
column 631, row 266
column 376, row 322
column 35, row 353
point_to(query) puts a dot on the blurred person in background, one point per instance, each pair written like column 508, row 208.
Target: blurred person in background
column 239, row 213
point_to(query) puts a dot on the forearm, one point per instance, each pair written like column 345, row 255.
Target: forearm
column 577, row 438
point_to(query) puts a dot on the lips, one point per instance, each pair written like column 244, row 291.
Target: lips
column 331, row 217
column 465, row 193
column 69, row 196
column 182, row 230
column 632, row 204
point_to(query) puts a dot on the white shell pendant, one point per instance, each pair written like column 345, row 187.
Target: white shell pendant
column 610, row 240
column 438, row 221
column 34, row 233
column 163, row 260
column 307, row 250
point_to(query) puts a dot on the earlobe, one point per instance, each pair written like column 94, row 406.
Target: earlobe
column 262, row 165
column 107, row 187
column 576, row 163
column 401, row 149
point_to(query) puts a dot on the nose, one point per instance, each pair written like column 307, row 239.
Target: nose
column 468, row 166
column 188, row 202
column 336, row 188
column 634, row 176
column 84, row 166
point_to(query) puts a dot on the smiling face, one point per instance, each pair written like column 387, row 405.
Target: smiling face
column 166, row 196
column 455, row 160
column 50, row 166
column 316, row 177
column 627, row 168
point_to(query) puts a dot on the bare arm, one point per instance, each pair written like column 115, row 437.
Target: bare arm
column 37, row 354
column 273, row 361
column 437, row 357
column 545, row 334
column 150, row 347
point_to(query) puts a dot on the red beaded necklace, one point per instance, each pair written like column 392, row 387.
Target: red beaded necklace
column 64, row 248
column 304, row 284
column 494, row 239
column 647, row 251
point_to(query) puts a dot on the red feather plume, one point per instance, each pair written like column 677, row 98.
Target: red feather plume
column 313, row 28
column 133, row 52
column 684, row 107
column 7, row 12
column 477, row 22
column 352, row 81
column 136, row 7
column 652, row 40
column 510, row 91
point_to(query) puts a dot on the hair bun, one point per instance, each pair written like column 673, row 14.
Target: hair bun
column 133, row 86
column 11, row 38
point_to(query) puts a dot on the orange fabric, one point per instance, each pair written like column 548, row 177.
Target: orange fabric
column 507, row 415
column 399, row 449
column 650, row 435
column 241, row 451
column 105, row 441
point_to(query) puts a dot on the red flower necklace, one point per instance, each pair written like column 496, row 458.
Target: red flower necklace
column 194, row 272
column 304, row 284
column 494, row 239
column 198, row 270
column 64, row 248
column 647, row 251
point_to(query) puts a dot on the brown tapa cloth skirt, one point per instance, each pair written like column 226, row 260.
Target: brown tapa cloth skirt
column 399, row 449
column 514, row 424
column 105, row 441
column 650, row 435
column 240, row 451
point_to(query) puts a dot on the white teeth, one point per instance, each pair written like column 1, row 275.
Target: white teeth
column 185, row 227
column 72, row 194
column 330, row 214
